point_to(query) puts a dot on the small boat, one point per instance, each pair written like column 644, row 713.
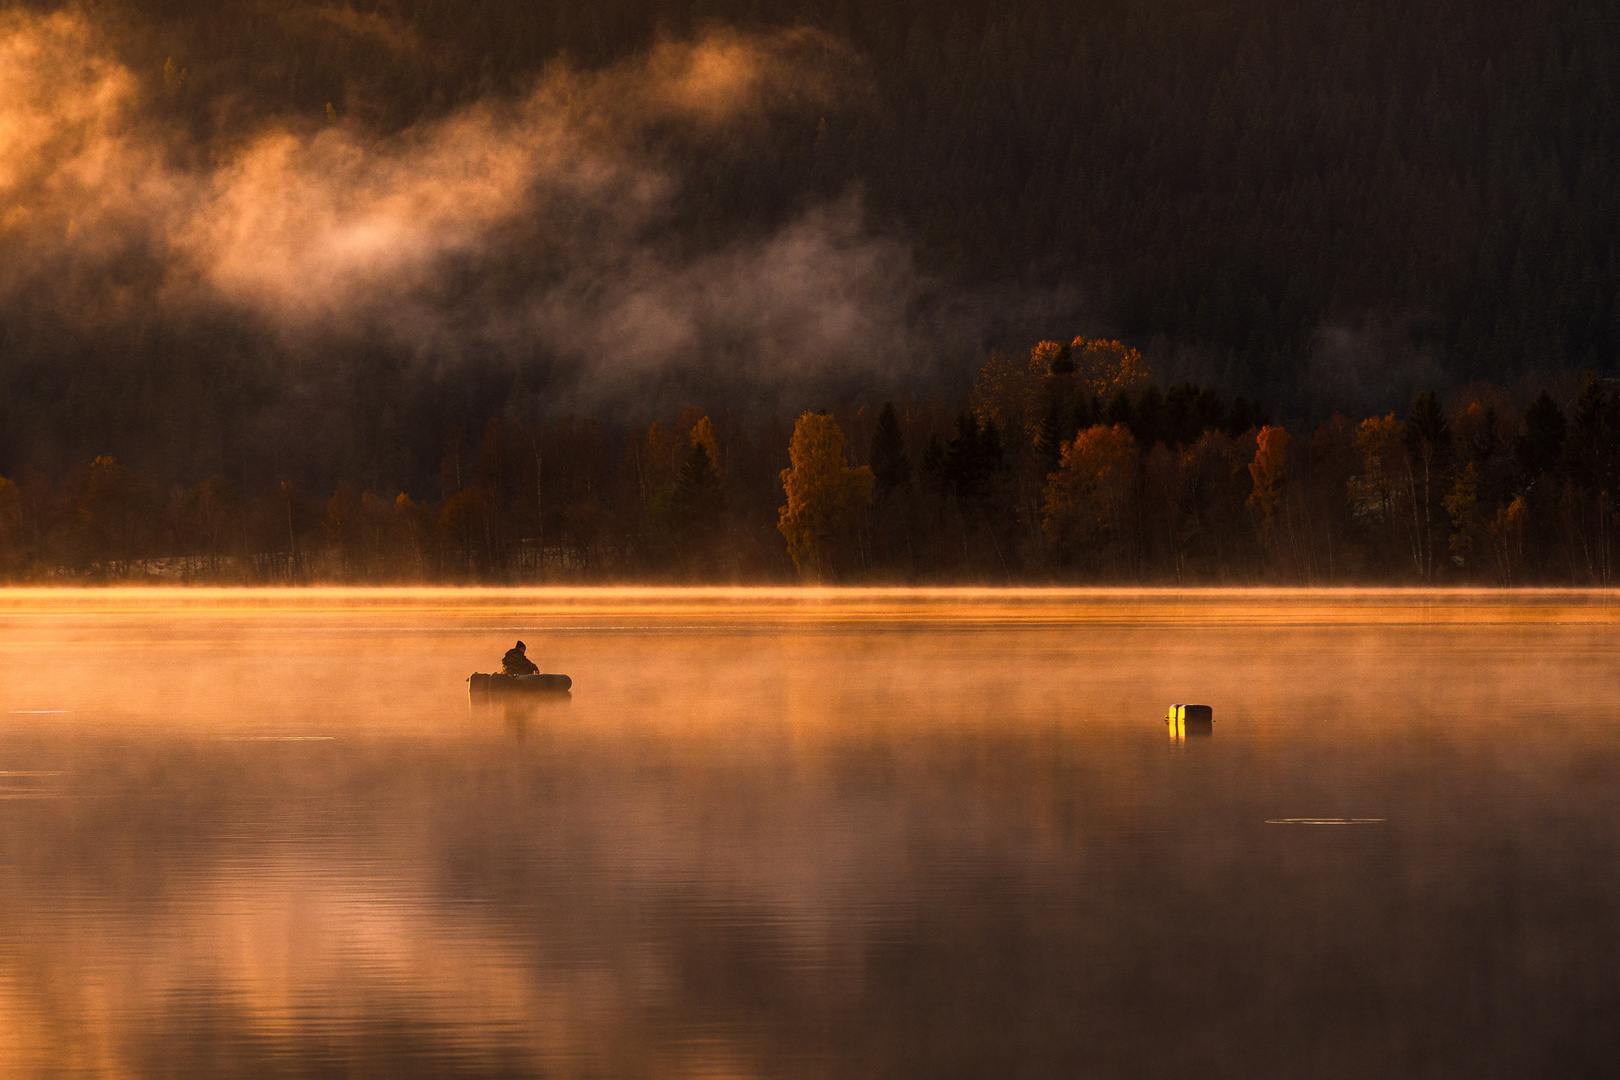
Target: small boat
column 480, row 685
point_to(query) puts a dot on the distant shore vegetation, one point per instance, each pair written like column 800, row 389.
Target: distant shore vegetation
column 1070, row 464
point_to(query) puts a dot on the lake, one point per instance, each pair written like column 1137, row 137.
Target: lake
column 790, row 833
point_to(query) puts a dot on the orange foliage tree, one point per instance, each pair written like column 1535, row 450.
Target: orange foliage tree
column 1268, row 469
column 1015, row 393
column 1506, row 532
column 1091, row 498
column 1373, row 494
column 1103, row 367
column 824, row 493
column 1010, row 393
column 1037, row 402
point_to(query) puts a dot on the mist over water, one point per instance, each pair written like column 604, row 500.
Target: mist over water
column 795, row 833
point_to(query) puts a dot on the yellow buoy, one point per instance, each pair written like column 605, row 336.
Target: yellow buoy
column 1185, row 720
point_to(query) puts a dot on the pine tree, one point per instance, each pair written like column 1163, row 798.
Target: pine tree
column 698, row 499
column 1540, row 447
column 971, row 458
column 1592, row 448
column 891, row 468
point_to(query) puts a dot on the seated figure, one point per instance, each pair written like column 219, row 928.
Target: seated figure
column 516, row 663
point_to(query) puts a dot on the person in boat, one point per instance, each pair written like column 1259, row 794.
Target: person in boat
column 516, row 663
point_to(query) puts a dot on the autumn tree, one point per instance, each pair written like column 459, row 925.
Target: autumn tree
column 411, row 529
column 824, row 493
column 1104, row 368
column 1025, row 402
column 1009, row 393
column 1195, row 525
column 1462, row 506
column 590, row 497
column 1377, row 493
column 665, row 450
column 1217, row 468
column 505, row 473
column 1505, row 534
column 1482, row 481
column 1091, row 500
column 1269, row 470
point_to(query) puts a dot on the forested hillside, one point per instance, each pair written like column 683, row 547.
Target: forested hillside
column 758, row 207
column 1068, row 464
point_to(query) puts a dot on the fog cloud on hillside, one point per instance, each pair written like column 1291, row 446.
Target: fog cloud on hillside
column 538, row 222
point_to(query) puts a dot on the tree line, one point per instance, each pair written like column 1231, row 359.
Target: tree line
column 1067, row 464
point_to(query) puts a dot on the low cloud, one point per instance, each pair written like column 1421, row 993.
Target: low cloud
column 544, row 223
column 1372, row 367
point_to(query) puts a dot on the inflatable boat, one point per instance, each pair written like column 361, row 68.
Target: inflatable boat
column 481, row 685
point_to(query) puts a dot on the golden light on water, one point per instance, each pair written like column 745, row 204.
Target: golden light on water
column 266, row 818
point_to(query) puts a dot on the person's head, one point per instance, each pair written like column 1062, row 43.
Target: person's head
column 520, row 646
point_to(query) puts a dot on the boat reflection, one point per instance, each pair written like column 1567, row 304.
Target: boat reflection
column 517, row 714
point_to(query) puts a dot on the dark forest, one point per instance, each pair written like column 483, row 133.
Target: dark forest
column 431, row 291
column 1070, row 465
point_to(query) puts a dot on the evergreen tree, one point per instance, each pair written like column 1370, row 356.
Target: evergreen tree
column 1119, row 410
column 933, row 464
column 891, row 468
column 1426, row 423
column 1049, row 440
column 971, row 459
column 698, row 498
column 1063, row 361
column 1540, row 447
column 1245, row 416
column 1592, row 447
column 1148, row 416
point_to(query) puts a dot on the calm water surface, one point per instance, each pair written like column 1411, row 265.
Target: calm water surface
column 810, row 835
